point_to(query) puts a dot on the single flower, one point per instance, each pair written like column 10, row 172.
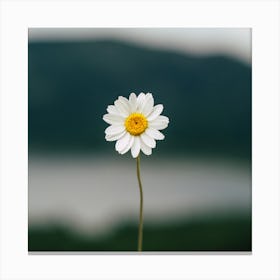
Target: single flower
column 135, row 124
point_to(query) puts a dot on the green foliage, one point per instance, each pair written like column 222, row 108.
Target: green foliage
column 217, row 234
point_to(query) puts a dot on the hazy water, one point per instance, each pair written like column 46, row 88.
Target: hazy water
column 92, row 194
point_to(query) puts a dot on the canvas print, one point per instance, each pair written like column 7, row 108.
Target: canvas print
column 139, row 140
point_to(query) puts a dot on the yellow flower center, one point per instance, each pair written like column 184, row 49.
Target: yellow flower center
column 136, row 124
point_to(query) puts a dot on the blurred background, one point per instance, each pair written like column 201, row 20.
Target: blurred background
column 84, row 196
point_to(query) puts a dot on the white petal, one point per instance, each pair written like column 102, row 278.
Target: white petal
column 135, row 149
column 149, row 141
column 111, row 109
column 121, row 108
column 122, row 142
column 145, row 149
column 113, row 119
column 114, row 137
column 157, row 110
column 140, row 101
column 158, row 125
column 129, row 145
column 125, row 103
column 154, row 133
column 162, row 119
column 133, row 102
column 149, row 104
column 114, row 129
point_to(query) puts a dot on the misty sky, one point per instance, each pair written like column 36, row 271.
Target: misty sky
column 200, row 41
column 78, row 192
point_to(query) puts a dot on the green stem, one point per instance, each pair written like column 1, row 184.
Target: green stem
column 140, row 228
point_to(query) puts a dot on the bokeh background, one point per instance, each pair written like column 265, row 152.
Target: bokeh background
column 83, row 196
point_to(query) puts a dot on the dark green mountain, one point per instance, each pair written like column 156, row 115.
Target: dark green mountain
column 70, row 84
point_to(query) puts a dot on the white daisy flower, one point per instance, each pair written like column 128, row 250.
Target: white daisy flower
column 135, row 124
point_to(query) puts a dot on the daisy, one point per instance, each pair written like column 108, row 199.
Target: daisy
column 135, row 124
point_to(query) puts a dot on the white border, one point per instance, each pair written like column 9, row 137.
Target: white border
column 262, row 16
